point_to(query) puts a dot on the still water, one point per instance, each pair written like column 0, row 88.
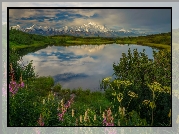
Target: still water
column 80, row 66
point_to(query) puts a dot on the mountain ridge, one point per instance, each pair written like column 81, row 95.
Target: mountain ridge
column 89, row 29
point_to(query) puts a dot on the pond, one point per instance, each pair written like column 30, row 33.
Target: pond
column 80, row 66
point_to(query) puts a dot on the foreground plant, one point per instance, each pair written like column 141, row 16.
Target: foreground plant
column 64, row 108
column 13, row 85
column 108, row 118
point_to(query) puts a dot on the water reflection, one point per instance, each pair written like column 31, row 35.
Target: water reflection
column 80, row 66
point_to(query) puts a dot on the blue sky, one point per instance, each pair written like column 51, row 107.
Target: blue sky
column 115, row 19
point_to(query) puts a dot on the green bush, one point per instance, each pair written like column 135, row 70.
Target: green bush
column 138, row 80
column 19, row 68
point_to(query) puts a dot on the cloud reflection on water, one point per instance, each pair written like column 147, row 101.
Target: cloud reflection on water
column 85, row 65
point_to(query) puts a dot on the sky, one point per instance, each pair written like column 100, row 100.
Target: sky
column 145, row 20
column 174, row 5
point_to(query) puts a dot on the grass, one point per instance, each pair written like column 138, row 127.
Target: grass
column 22, row 46
column 89, row 42
column 160, row 46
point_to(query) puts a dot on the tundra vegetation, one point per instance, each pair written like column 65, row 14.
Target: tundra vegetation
column 140, row 94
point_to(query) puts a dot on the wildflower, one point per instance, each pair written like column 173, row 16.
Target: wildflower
column 13, row 87
column 22, row 84
column 145, row 102
column 120, row 97
column 11, row 72
column 107, row 79
column 114, row 94
column 167, row 89
column 152, row 104
column 103, row 115
column 80, row 118
column 132, row 94
column 118, row 122
column 64, row 108
column 155, row 86
column 40, row 121
column 108, row 118
column 86, row 116
column 72, row 113
column 94, row 117
column 122, row 110
column 60, row 116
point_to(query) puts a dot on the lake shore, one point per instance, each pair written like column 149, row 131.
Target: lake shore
column 160, row 41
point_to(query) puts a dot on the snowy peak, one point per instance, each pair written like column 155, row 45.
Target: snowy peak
column 88, row 29
column 123, row 30
column 17, row 27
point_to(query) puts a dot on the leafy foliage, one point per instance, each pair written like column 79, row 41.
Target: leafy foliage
column 27, row 71
column 139, row 81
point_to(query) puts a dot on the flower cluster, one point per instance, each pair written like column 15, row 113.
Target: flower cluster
column 107, row 79
column 132, row 94
column 41, row 121
column 64, row 108
column 155, row 86
column 13, row 85
column 108, row 118
column 122, row 83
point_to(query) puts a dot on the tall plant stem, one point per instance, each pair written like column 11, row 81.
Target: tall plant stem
column 129, row 103
column 153, row 109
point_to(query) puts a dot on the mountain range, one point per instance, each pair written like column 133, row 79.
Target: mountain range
column 89, row 29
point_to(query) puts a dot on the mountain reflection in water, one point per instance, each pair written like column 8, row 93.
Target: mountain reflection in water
column 80, row 66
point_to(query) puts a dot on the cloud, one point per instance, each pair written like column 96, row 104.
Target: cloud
column 90, row 67
column 149, row 19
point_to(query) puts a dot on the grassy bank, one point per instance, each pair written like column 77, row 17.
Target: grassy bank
column 161, row 41
column 19, row 40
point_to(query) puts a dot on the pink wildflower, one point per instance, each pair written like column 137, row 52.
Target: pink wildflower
column 40, row 121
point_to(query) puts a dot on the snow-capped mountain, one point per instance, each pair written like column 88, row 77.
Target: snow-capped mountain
column 16, row 27
column 89, row 29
